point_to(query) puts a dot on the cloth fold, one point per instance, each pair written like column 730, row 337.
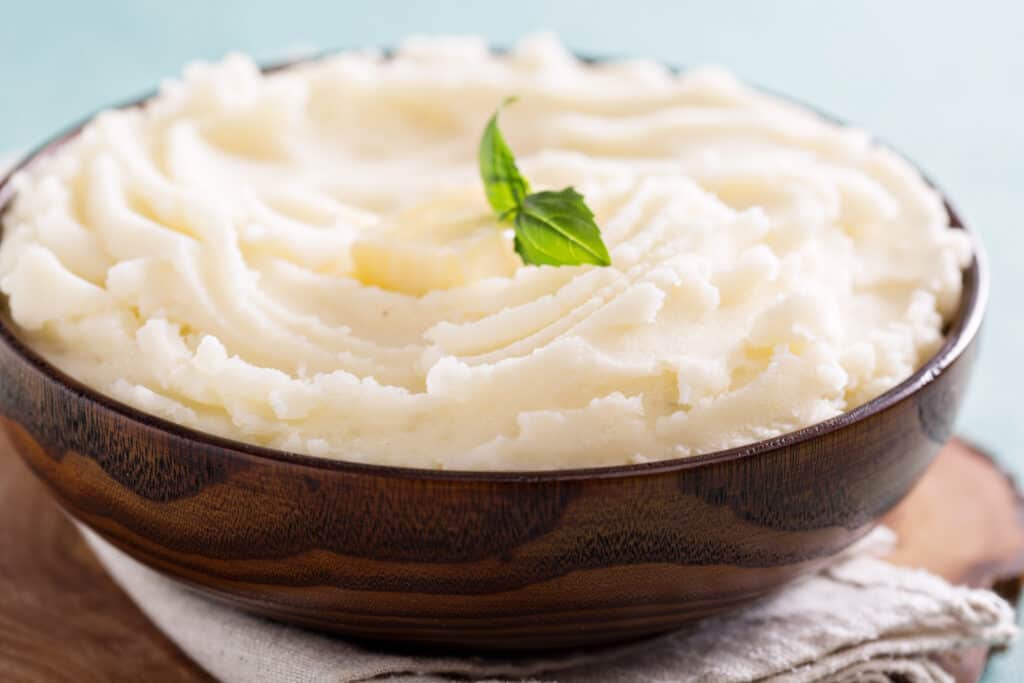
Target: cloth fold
column 858, row 620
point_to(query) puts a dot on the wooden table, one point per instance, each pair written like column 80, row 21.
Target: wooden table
column 63, row 619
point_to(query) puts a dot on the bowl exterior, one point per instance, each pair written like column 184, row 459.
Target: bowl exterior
column 503, row 562
column 494, row 563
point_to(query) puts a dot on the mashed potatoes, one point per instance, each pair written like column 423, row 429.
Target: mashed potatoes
column 307, row 260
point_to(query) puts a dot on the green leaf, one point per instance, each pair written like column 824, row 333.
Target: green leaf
column 552, row 228
column 558, row 229
column 506, row 188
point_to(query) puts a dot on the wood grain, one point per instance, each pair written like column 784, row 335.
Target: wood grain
column 965, row 522
column 62, row 619
column 481, row 561
column 474, row 560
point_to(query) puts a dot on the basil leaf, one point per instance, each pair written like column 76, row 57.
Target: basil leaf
column 558, row 229
column 552, row 228
column 504, row 185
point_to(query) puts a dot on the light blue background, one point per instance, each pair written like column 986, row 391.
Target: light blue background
column 942, row 81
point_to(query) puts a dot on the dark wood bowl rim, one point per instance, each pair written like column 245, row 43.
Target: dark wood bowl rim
column 963, row 331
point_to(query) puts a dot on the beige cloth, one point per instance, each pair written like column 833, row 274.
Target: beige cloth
column 859, row 620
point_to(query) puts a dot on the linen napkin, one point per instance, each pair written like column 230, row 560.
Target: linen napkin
column 858, row 620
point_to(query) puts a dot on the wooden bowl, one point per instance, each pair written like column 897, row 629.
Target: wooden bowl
column 488, row 561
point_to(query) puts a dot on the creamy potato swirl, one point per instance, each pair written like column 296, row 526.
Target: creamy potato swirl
column 306, row 260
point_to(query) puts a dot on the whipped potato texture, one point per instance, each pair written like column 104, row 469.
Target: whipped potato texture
column 306, row 260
